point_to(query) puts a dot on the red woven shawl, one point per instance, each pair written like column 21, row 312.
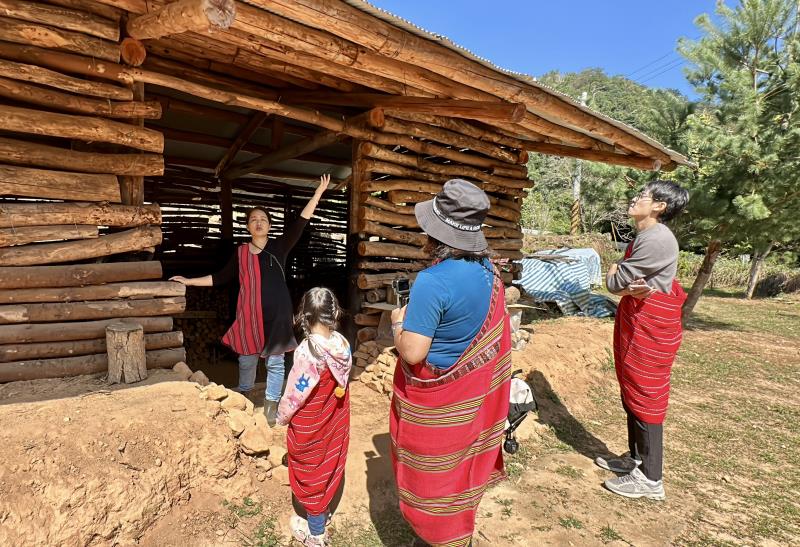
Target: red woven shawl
column 647, row 335
column 447, row 432
column 317, row 441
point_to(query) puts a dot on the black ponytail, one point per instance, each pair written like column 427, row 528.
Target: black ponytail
column 318, row 305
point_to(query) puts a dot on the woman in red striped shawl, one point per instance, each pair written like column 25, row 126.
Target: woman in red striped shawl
column 452, row 380
column 647, row 335
column 316, row 407
column 263, row 325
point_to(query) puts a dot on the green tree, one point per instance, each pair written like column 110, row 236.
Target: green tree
column 744, row 137
column 606, row 189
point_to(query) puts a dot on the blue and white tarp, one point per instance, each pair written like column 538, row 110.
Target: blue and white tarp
column 567, row 282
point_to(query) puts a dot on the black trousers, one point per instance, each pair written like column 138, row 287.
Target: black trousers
column 646, row 443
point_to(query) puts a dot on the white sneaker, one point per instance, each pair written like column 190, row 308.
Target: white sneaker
column 301, row 533
column 623, row 464
column 636, row 485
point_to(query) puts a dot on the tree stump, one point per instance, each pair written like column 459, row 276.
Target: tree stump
column 126, row 354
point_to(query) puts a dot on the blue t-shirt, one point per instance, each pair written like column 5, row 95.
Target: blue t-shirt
column 449, row 303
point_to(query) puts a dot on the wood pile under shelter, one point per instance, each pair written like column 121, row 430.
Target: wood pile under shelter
column 134, row 134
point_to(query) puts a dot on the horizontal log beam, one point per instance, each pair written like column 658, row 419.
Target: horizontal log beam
column 390, row 206
column 454, row 108
column 387, row 217
column 77, row 275
column 20, row 32
column 99, row 309
column 38, row 75
column 496, row 209
column 33, row 234
column 76, row 366
column 451, row 138
column 65, row 62
column 40, row 155
column 19, row 91
column 136, row 290
column 58, row 17
column 35, row 214
column 50, row 350
column 411, row 160
column 388, row 168
column 76, row 330
column 636, row 162
column 482, row 134
column 394, row 250
column 400, row 236
column 378, row 281
column 90, row 6
column 136, row 239
column 183, row 16
column 44, row 183
column 85, row 128
column 396, row 266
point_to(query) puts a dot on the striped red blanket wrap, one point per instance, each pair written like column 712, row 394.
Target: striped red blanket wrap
column 316, row 442
column 447, row 432
column 647, row 335
column 246, row 335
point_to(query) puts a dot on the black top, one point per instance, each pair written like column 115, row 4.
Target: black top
column 276, row 304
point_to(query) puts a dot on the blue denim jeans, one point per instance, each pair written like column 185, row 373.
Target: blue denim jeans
column 275, row 372
column 316, row 523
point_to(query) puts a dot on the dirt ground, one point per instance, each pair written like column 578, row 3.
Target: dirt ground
column 156, row 464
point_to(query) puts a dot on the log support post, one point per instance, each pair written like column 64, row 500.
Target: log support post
column 359, row 177
column 126, row 353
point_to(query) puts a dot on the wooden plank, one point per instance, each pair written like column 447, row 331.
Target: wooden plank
column 43, row 183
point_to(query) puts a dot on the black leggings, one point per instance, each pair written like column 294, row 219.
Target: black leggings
column 646, row 443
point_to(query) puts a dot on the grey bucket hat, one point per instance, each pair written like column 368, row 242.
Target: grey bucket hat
column 455, row 215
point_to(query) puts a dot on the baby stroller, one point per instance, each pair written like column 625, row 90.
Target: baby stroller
column 520, row 404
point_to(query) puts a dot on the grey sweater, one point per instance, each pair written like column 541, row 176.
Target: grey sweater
column 654, row 258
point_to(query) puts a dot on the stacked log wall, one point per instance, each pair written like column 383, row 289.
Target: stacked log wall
column 75, row 233
column 389, row 180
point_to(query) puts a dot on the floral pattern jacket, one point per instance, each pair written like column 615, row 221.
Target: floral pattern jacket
column 334, row 354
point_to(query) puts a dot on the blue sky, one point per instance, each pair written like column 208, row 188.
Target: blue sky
column 629, row 37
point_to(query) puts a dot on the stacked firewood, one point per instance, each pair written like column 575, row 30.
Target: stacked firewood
column 374, row 366
column 203, row 324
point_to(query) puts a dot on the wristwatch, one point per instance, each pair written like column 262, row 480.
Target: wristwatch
column 397, row 325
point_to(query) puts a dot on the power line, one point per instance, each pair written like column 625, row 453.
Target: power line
column 677, row 64
column 650, row 64
column 659, row 68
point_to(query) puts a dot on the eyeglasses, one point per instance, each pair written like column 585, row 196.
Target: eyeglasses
column 640, row 196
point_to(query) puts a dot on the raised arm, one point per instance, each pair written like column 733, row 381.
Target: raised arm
column 308, row 210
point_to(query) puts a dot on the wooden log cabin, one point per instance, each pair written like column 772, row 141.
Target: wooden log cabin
column 135, row 133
